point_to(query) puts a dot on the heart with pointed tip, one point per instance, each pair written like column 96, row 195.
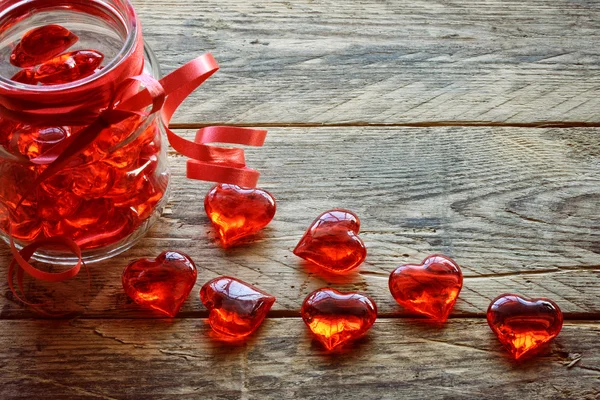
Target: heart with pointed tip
column 237, row 308
column 237, row 213
column 430, row 288
column 522, row 325
column 335, row 318
column 162, row 284
column 332, row 242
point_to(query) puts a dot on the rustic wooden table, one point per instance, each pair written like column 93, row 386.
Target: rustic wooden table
column 462, row 127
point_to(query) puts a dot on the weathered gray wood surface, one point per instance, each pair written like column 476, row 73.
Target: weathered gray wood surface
column 314, row 62
column 517, row 207
column 140, row 359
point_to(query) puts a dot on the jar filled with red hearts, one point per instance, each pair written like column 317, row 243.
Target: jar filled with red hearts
column 78, row 161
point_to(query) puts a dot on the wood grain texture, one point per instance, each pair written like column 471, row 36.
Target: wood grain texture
column 133, row 359
column 516, row 208
column 326, row 62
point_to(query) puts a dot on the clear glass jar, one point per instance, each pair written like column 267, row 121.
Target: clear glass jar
column 110, row 193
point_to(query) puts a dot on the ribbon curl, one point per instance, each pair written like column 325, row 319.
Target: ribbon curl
column 209, row 163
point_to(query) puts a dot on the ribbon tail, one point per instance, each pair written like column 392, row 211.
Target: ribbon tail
column 20, row 262
column 243, row 177
column 22, row 257
column 208, row 163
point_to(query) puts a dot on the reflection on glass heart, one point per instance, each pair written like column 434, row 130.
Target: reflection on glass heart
column 236, row 308
column 332, row 242
column 523, row 325
column 69, row 67
column 237, row 213
column 41, row 44
column 335, row 318
column 162, row 284
column 430, row 288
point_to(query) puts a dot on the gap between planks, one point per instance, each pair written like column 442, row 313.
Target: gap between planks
column 422, row 124
column 572, row 318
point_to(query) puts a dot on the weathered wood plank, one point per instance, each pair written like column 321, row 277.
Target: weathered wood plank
column 317, row 62
column 517, row 208
column 135, row 359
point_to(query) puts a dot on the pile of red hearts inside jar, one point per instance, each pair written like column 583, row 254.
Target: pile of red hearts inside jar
column 107, row 190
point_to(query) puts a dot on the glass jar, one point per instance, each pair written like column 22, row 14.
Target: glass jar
column 107, row 195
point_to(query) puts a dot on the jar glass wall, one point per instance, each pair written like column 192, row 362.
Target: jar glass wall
column 108, row 195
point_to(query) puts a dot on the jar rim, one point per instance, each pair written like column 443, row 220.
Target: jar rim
column 127, row 17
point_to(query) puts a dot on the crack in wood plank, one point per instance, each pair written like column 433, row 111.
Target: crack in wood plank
column 459, row 345
column 97, row 332
column 557, row 270
column 245, row 383
column 185, row 356
column 52, row 382
column 589, row 368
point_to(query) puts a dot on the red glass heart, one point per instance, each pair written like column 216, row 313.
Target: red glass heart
column 91, row 214
column 523, row 325
column 236, row 308
column 26, row 76
column 14, row 176
column 33, row 141
column 7, row 130
column 25, row 223
column 123, row 157
column 237, row 213
column 430, row 288
column 332, row 242
column 54, row 208
column 4, row 218
column 127, row 179
column 162, row 284
column 335, row 318
column 150, row 191
column 111, row 231
column 112, row 137
column 93, row 180
column 41, row 44
column 69, row 67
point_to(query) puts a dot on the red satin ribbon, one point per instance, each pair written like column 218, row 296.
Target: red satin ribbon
column 109, row 102
column 20, row 263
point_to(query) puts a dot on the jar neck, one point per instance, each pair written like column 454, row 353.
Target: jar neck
column 79, row 102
